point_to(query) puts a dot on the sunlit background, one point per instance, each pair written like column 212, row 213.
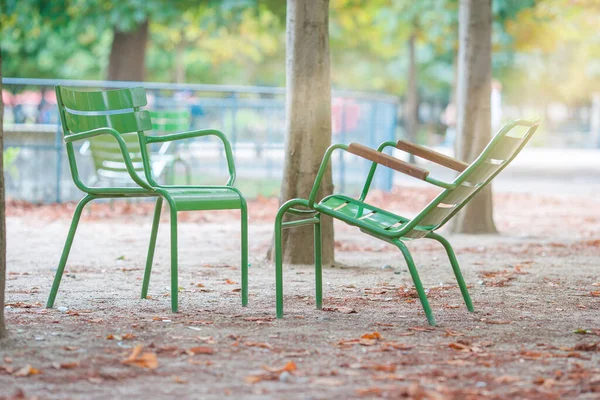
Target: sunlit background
column 224, row 62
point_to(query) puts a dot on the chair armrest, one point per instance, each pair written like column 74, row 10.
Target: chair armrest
column 122, row 146
column 431, row 155
column 388, row 161
column 201, row 133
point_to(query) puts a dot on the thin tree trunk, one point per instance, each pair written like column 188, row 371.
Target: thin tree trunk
column 180, row 60
column 3, row 331
column 308, row 121
column 473, row 128
column 128, row 54
column 412, row 94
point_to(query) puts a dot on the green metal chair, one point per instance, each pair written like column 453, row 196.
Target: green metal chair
column 116, row 116
column 392, row 228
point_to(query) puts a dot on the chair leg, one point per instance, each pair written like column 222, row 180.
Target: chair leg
column 417, row 282
column 457, row 273
column 318, row 267
column 279, row 264
column 151, row 247
column 244, row 217
column 67, row 249
column 174, row 275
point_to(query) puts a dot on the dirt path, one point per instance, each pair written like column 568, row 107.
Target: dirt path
column 535, row 332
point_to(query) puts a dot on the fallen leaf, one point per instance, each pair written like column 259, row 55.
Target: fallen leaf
column 587, row 347
column 27, row 370
column 141, row 360
column 289, row 367
column 595, row 294
column 374, row 335
column 128, row 336
column 177, row 379
column 230, row 282
column 70, row 365
column 200, row 350
column 258, row 344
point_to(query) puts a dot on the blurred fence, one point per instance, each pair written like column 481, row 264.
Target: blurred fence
column 253, row 119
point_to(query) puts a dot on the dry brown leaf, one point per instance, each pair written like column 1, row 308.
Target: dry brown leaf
column 128, row 336
column 460, row 347
column 70, row 365
column 595, row 294
column 289, row 367
column 200, row 350
column 587, row 347
column 141, row 360
column 27, row 370
column 374, row 335
column 230, row 282
column 370, row 391
column 258, row 344
column 178, row 379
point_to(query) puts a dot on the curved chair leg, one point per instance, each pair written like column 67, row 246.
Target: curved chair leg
column 67, row 249
column 417, row 281
column 459, row 278
column 153, row 234
column 174, row 275
column 279, row 263
column 244, row 217
column 318, row 267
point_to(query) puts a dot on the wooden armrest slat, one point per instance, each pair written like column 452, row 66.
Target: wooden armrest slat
column 432, row 155
column 388, row 161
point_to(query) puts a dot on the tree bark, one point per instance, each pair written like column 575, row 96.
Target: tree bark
column 128, row 54
column 180, row 60
column 412, row 94
column 473, row 127
column 3, row 331
column 308, row 121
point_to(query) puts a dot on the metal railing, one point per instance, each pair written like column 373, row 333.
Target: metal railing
column 253, row 119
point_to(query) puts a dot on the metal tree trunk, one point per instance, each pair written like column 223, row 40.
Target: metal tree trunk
column 2, row 215
column 128, row 54
column 473, row 127
column 308, row 120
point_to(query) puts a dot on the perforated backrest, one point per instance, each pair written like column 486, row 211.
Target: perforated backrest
column 501, row 150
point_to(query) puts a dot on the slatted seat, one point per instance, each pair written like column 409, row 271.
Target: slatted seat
column 395, row 229
column 117, row 129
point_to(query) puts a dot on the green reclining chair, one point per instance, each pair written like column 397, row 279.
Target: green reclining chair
column 393, row 228
column 116, row 115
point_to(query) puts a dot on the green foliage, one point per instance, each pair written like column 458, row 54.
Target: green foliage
column 243, row 42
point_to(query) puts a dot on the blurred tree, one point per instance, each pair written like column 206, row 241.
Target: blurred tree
column 3, row 331
column 473, row 106
column 308, row 121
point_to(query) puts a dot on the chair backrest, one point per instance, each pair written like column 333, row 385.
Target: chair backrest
column 169, row 121
column 119, row 109
column 501, row 150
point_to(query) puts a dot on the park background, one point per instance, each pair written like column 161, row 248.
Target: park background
column 393, row 72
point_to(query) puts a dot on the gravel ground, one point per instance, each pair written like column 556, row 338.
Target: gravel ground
column 535, row 288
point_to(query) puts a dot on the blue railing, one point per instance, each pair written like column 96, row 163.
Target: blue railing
column 253, row 119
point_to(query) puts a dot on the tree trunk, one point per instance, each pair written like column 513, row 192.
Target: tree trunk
column 308, row 121
column 127, row 55
column 412, row 95
column 2, row 214
column 180, row 60
column 473, row 127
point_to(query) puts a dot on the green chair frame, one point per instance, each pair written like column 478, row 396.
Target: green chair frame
column 116, row 114
column 392, row 228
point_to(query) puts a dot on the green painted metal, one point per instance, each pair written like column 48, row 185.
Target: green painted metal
column 395, row 229
column 94, row 109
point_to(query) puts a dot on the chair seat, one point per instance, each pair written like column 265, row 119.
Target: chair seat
column 351, row 210
column 191, row 198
